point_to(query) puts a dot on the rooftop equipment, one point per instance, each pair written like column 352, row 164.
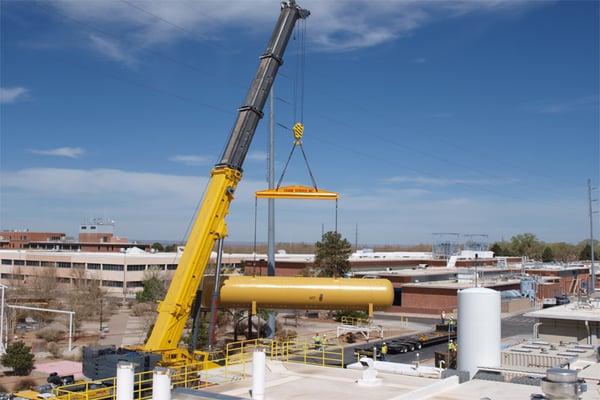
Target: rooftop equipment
column 479, row 333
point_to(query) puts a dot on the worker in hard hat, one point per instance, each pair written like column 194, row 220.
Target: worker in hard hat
column 451, row 346
column 317, row 341
column 384, row 350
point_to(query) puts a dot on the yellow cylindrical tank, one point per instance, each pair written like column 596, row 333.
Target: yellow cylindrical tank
column 277, row 292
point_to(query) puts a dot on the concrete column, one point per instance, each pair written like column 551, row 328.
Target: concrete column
column 161, row 384
column 125, row 377
column 259, row 362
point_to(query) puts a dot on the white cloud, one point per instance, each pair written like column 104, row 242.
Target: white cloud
column 333, row 25
column 70, row 152
column 112, row 50
column 144, row 204
column 150, row 205
column 428, row 181
column 257, row 155
column 562, row 106
column 13, row 94
column 191, row 159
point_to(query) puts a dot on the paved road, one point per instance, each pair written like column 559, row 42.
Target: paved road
column 512, row 326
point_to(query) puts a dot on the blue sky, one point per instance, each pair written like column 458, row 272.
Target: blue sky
column 471, row 117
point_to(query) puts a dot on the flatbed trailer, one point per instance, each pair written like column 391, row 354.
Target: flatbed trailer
column 435, row 337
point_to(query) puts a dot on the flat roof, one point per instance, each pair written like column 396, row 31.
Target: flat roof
column 461, row 284
column 293, row 381
column 568, row 311
column 477, row 389
column 432, row 271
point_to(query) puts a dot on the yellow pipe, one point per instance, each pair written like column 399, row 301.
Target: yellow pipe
column 275, row 292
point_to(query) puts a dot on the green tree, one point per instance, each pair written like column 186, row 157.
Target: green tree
column 171, row 248
column 547, row 255
column 564, row 252
column 586, row 253
column 154, row 288
column 157, row 246
column 501, row 249
column 18, row 357
column 527, row 244
column 331, row 255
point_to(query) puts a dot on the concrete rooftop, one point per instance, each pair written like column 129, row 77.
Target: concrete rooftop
column 568, row 311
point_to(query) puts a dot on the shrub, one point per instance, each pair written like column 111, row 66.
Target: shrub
column 25, row 384
column 50, row 335
column 349, row 314
column 18, row 357
column 55, row 350
column 141, row 309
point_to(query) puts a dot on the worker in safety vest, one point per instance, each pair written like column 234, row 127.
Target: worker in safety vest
column 443, row 316
column 317, row 341
column 384, row 350
column 451, row 346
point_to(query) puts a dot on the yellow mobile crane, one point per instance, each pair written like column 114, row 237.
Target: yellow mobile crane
column 209, row 226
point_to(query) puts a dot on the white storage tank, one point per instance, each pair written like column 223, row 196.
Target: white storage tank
column 479, row 330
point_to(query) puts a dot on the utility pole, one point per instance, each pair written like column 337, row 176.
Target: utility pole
column 322, row 230
column 591, row 214
column 271, row 203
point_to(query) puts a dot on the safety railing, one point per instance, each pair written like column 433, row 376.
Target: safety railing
column 345, row 320
column 234, row 360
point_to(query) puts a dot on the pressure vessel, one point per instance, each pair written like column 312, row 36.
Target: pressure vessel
column 277, row 292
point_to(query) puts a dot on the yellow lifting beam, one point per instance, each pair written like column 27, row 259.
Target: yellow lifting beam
column 298, row 192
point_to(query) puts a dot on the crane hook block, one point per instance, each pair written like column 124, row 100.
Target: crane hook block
column 298, row 130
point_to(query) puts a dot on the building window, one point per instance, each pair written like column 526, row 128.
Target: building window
column 63, row 280
column 397, row 297
column 136, row 267
column 19, row 262
column 64, row 264
column 112, row 283
column 48, row 264
column 93, row 266
column 32, row 263
column 171, row 267
column 135, row 284
column 112, row 267
column 156, row 267
column 6, row 261
column 79, row 265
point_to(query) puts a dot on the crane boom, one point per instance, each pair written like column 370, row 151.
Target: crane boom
column 209, row 225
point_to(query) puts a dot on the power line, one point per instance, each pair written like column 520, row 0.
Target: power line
column 380, row 159
column 300, row 50
column 179, row 27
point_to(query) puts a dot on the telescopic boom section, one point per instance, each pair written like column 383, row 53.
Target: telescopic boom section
column 175, row 309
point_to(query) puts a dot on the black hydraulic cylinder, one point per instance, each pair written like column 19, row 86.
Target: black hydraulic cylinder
column 251, row 111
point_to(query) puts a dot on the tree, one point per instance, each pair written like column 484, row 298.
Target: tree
column 18, row 357
column 157, row 246
column 172, row 248
column 586, row 253
column 526, row 244
column 547, row 255
column 564, row 252
column 154, row 287
column 500, row 249
column 331, row 255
